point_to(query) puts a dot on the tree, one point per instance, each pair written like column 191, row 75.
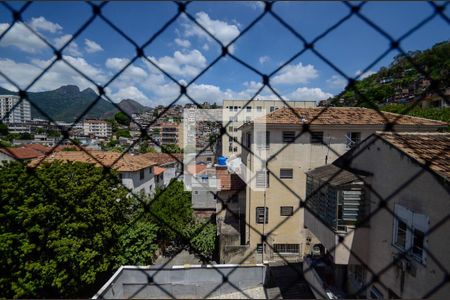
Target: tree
column 171, row 148
column 123, row 133
column 171, row 209
column 122, row 118
column 145, row 148
column 3, row 129
column 60, row 229
column 203, row 239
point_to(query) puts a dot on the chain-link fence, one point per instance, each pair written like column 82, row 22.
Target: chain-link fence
column 355, row 10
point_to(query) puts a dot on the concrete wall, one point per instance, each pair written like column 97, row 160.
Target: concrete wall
column 426, row 194
column 181, row 281
column 132, row 181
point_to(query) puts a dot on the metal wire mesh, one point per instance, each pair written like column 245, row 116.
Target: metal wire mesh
column 355, row 10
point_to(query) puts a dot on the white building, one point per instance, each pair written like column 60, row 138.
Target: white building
column 11, row 112
column 237, row 112
column 135, row 171
column 97, row 128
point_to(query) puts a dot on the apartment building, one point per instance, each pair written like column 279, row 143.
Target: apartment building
column 381, row 209
column 97, row 128
column 168, row 133
column 135, row 171
column 237, row 112
column 276, row 212
column 11, row 112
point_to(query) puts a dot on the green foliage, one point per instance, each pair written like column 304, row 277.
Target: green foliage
column 138, row 244
column 123, row 133
column 3, row 129
column 122, row 118
column 171, row 210
column 171, row 148
column 60, row 229
column 370, row 91
column 203, row 239
column 145, row 148
column 53, row 133
column 5, row 144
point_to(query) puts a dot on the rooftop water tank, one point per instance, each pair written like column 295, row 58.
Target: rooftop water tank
column 222, row 161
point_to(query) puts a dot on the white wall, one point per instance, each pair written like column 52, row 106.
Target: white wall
column 132, row 181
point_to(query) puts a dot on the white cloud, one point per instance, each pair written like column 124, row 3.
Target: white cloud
column 132, row 74
column 19, row 36
column 263, row 59
column 305, row 93
column 337, row 81
column 59, row 74
column 182, row 43
column 294, row 74
column 223, row 31
column 256, row 5
column 130, row 92
column 42, row 24
column 71, row 49
column 365, row 75
column 205, row 47
column 187, row 63
column 91, row 46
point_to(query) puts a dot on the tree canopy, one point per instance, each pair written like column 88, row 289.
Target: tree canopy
column 63, row 226
column 122, row 118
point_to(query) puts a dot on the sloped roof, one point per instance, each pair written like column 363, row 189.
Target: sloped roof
column 432, row 149
column 334, row 175
column 229, row 181
column 163, row 158
column 158, row 170
column 126, row 163
column 21, row 152
column 342, row 116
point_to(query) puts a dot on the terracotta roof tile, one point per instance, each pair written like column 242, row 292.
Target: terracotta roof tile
column 342, row 116
column 158, row 170
column 229, row 181
column 426, row 148
column 21, row 153
column 126, row 163
column 163, row 158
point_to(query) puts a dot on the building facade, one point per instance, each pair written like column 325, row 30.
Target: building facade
column 274, row 213
column 237, row 112
column 97, row 128
column 399, row 249
column 11, row 112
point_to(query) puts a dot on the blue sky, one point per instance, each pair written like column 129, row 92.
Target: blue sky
column 183, row 49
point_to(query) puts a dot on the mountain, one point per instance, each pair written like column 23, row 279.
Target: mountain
column 401, row 82
column 68, row 102
column 132, row 107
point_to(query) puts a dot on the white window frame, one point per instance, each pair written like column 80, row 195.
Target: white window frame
column 413, row 221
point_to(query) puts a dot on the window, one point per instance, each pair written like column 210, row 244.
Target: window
column 410, row 230
column 259, row 108
column 288, row 136
column 272, row 108
column 231, row 108
column 286, row 248
column 230, row 148
column 208, row 159
column 260, row 247
column 249, row 140
column 141, row 174
column 262, row 215
column 262, row 179
column 286, row 173
column 249, row 108
column 286, row 210
column 317, row 137
column 230, row 128
column 352, row 138
column 235, row 149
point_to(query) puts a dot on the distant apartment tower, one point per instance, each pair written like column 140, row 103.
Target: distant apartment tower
column 11, row 112
column 237, row 112
column 171, row 133
column 97, row 128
